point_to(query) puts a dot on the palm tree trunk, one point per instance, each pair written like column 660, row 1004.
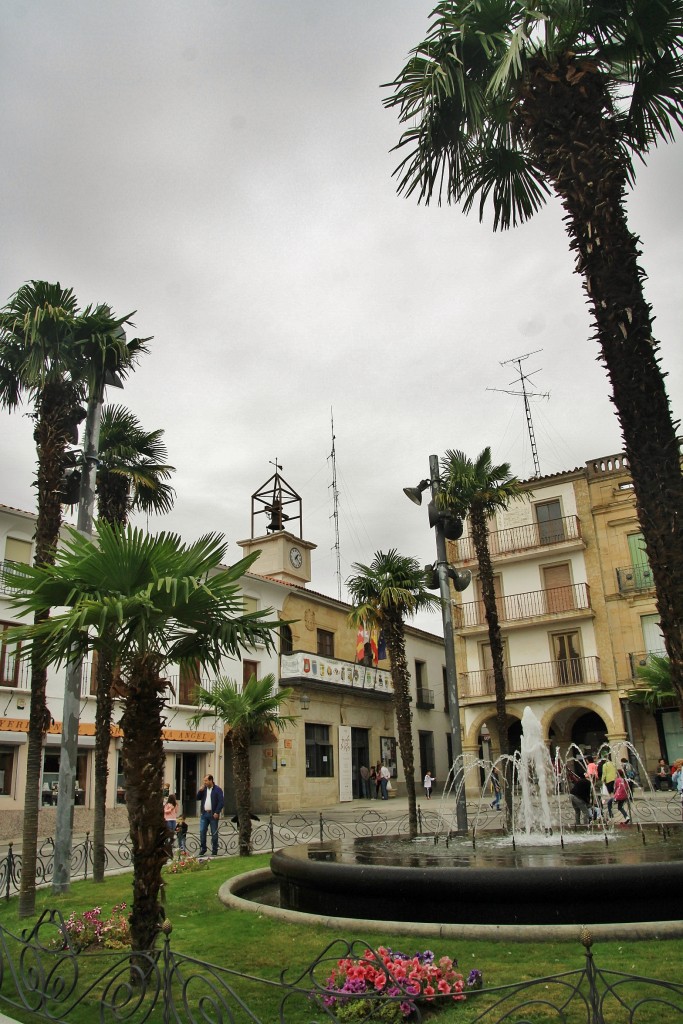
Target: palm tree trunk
column 562, row 117
column 242, row 778
column 50, row 437
column 103, row 712
column 480, row 537
column 395, row 638
column 143, row 765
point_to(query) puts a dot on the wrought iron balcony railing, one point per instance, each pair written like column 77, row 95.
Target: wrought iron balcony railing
column 524, row 538
column 639, row 659
column 425, row 698
column 542, row 675
column 635, row 577
column 534, row 604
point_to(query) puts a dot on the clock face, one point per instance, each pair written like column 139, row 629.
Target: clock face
column 296, row 558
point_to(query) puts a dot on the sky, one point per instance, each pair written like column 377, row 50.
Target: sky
column 224, row 168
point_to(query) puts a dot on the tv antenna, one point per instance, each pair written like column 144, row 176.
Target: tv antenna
column 523, row 380
column 335, row 512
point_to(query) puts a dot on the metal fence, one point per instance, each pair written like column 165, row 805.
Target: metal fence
column 283, row 830
column 44, row 976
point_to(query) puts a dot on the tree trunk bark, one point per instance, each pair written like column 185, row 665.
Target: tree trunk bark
column 143, row 763
column 242, row 778
column 566, row 117
column 480, row 537
column 103, row 712
column 394, row 635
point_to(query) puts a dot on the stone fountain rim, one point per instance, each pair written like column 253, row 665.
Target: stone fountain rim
column 229, row 895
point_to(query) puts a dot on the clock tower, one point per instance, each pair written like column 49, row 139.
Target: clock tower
column 285, row 555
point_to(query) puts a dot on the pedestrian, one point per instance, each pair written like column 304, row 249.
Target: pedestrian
column 384, row 777
column 181, row 834
column 497, row 788
column 677, row 780
column 581, row 796
column 662, row 779
column 608, row 776
column 373, row 783
column 171, row 813
column 378, row 780
column 621, row 795
column 365, row 781
column 210, row 797
column 428, row 785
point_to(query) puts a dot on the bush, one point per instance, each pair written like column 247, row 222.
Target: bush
column 89, row 931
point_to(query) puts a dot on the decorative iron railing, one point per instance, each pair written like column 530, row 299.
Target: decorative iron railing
column 633, row 578
column 45, row 976
column 281, row 830
column 639, row 659
column 533, row 604
column 425, row 698
column 523, row 538
column 542, row 675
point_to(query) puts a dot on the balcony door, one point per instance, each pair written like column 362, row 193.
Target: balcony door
column 567, row 658
column 549, row 521
column 557, row 584
column 642, row 573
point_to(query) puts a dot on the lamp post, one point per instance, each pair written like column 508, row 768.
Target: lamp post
column 68, row 755
column 437, row 521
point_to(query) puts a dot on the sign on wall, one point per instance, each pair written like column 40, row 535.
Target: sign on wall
column 345, row 764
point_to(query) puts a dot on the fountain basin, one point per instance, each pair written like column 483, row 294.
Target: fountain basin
column 401, row 880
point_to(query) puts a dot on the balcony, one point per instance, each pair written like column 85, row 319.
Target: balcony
column 635, row 578
column 519, row 539
column 302, row 667
column 425, row 698
column 526, row 679
column 640, row 658
column 532, row 605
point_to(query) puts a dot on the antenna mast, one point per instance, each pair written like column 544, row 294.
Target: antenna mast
column 335, row 513
column 526, row 395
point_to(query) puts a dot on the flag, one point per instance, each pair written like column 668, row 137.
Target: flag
column 374, row 638
column 381, row 648
column 360, row 643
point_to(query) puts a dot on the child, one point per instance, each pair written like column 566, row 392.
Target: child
column 181, row 832
column 428, row 785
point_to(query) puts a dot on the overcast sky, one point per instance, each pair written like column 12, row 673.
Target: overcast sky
column 223, row 168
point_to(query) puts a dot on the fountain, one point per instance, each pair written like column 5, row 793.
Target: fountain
column 539, row 873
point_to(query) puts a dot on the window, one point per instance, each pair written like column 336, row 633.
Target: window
column 325, row 643
column 498, row 594
column 188, row 681
column 249, row 669
column 6, row 769
column 286, row 643
column 120, row 780
column 18, row 550
column 319, row 764
column 420, row 674
column 567, row 657
column 557, row 584
column 250, row 604
column 117, row 687
column 9, row 660
column 487, row 664
column 549, row 520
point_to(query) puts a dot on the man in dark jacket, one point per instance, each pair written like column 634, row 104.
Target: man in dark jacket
column 581, row 796
column 210, row 799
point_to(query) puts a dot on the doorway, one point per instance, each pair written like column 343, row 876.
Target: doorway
column 360, row 755
column 186, row 783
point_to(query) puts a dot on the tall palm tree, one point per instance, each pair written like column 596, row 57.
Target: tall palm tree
column 479, row 489
column 250, row 711
column 132, row 475
column 168, row 603
column 385, row 593
column 53, row 353
column 509, row 101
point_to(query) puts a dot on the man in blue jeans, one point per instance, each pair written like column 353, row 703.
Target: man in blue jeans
column 210, row 799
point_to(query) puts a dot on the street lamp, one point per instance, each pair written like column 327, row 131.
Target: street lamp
column 447, row 526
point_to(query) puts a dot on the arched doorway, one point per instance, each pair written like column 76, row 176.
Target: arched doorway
column 589, row 732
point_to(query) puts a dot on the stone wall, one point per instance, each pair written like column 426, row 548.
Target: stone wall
column 11, row 822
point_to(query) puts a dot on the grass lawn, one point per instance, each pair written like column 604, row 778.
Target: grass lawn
column 205, row 929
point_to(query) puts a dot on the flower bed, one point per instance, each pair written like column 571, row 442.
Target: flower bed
column 355, row 985
column 89, row 931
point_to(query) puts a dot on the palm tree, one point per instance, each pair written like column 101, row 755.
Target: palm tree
column 168, row 603
column 250, row 711
column 132, row 475
column 385, row 593
column 508, row 102
column 656, row 690
column 480, row 489
column 54, row 354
